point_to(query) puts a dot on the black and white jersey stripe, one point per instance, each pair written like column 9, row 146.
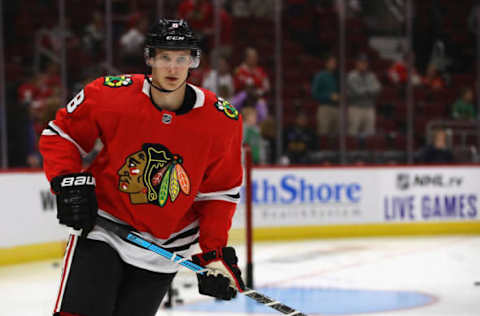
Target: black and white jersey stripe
column 232, row 195
column 181, row 242
column 53, row 130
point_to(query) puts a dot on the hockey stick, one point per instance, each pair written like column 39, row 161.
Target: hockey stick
column 126, row 234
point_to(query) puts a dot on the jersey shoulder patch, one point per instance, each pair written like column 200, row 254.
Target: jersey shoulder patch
column 117, row 81
column 226, row 108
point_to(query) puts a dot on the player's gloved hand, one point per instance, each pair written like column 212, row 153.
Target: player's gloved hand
column 223, row 279
column 76, row 200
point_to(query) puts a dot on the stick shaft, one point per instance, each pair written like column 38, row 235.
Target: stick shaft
column 133, row 238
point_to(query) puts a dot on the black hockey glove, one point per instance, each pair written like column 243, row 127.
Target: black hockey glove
column 76, row 200
column 223, row 279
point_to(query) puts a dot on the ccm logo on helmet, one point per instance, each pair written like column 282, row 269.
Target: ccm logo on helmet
column 79, row 180
column 174, row 38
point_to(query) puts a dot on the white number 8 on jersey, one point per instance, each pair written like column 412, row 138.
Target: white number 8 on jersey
column 76, row 101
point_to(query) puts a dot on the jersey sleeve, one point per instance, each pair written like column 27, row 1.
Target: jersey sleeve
column 72, row 134
column 219, row 192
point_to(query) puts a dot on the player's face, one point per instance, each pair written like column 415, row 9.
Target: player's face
column 170, row 67
column 131, row 173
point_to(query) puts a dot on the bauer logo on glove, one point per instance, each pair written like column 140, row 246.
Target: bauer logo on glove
column 76, row 200
column 78, row 180
column 223, row 278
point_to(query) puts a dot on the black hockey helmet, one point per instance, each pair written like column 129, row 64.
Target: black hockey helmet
column 172, row 34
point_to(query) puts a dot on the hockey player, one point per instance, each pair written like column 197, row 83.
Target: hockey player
column 170, row 168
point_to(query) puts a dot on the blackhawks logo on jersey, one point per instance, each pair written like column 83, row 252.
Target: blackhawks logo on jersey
column 117, row 81
column 227, row 109
column 152, row 175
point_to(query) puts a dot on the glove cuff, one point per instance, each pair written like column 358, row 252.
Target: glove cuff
column 227, row 258
column 224, row 253
column 72, row 180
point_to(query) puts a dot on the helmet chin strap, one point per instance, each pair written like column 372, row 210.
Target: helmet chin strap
column 162, row 89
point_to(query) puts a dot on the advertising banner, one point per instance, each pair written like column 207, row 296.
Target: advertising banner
column 308, row 196
column 364, row 195
column 283, row 197
column 28, row 210
column 430, row 194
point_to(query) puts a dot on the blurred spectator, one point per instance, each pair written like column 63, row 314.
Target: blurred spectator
column 269, row 135
column 52, row 75
column 42, row 113
column 439, row 57
column 428, row 26
column 437, row 151
column 252, row 135
column 251, row 84
column 38, row 87
column 354, row 7
column 29, row 90
column 325, row 92
column 299, row 140
column 262, row 8
column 397, row 73
column 199, row 15
column 52, row 36
column 250, row 74
column 27, row 93
column 222, row 77
column 131, row 43
column 463, row 108
column 225, row 92
column 226, row 31
column 40, row 97
column 94, row 36
column 362, row 89
column 249, row 97
column 433, row 79
column 42, row 109
column 253, row 8
column 49, row 108
column 240, row 9
column 472, row 19
column 197, row 75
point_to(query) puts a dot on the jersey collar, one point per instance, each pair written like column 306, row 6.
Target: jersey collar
column 194, row 98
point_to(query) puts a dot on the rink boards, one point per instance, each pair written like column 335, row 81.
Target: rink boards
column 288, row 203
column 319, row 202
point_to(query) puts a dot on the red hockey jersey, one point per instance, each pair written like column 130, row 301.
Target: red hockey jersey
column 159, row 171
column 256, row 77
